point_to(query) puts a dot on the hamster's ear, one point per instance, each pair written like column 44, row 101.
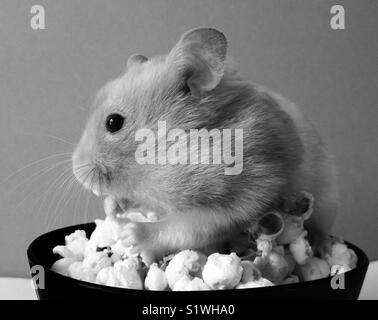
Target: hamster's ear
column 200, row 57
column 136, row 59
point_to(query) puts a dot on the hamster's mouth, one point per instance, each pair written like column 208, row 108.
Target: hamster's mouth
column 95, row 188
column 92, row 178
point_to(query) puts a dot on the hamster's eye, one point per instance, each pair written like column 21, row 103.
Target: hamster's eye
column 114, row 122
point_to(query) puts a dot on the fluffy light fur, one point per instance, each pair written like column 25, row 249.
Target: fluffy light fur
column 201, row 205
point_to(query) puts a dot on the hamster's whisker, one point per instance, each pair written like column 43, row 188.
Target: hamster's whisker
column 63, row 195
column 59, row 155
column 87, row 167
column 60, row 139
column 76, row 208
column 48, row 135
column 59, row 190
column 55, row 183
column 50, row 188
column 86, row 208
column 19, row 204
column 41, row 197
column 89, row 175
column 84, row 172
column 29, row 187
column 74, row 200
column 37, row 175
column 64, row 183
column 70, row 195
column 100, row 180
column 88, row 196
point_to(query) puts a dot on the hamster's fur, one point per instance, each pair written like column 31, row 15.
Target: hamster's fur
column 196, row 86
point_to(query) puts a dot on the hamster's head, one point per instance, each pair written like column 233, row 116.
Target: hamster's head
column 170, row 88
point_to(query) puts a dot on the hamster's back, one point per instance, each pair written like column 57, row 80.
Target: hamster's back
column 316, row 172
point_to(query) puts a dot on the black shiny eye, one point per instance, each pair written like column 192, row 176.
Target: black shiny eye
column 114, row 122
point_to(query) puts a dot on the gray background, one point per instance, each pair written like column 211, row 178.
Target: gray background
column 48, row 79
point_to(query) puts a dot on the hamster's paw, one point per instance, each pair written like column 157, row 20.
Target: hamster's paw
column 134, row 234
column 113, row 207
column 148, row 256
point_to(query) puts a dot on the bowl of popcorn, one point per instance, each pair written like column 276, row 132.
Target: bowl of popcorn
column 272, row 259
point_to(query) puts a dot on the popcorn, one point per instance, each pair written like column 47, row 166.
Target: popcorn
column 78, row 271
column 268, row 227
column 250, row 272
column 61, row 265
column 275, row 268
column 291, row 279
column 76, row 243
column 122, row 251
column 301, row 249
column 156, row 278
column 291, row 263
column 222, row 271
column 64, row 252
column 77, row 235
column 339, row 254
column 90, row 249
column 107, row 232
column 123, row 274
column 337, row 269
column 314, row 269
column 293, row 229
column 127, row 275
column 187, row 284
column 299, row 204
column 115, row 257
column 74, row 247
column 296, row 211
column 97, row 261
column 107, row 277
column 185, row 263
column 262, row 282
column 275, row 251
column 272, row 265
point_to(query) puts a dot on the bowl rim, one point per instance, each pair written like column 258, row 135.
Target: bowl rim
column 363, row 262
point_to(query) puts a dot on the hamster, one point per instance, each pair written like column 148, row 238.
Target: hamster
column 197, row 86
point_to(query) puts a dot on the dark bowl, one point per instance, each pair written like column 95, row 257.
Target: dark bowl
column 57, row 286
